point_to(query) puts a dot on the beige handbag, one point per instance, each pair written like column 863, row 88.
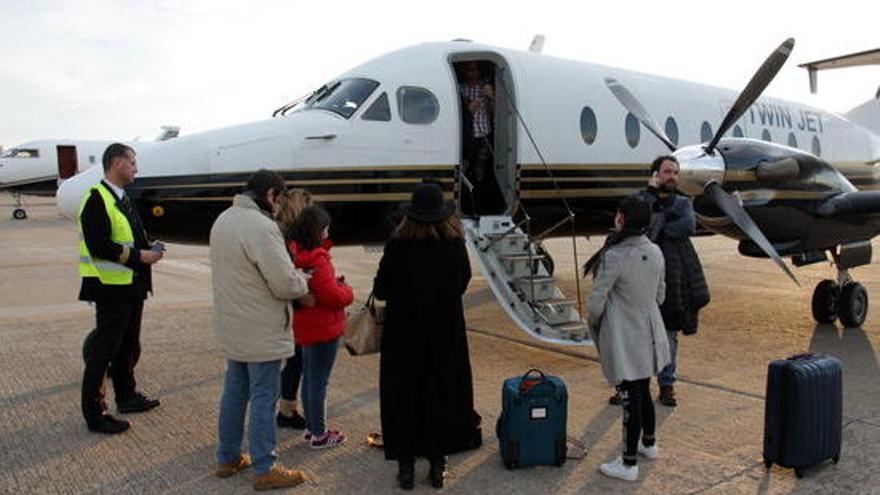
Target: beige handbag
column 363, row 331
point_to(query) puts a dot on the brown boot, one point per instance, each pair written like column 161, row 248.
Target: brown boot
column 279, row 477
column 667, row 396
column 227, row 469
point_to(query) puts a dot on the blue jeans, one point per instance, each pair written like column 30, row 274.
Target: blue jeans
column 291, row 375
column 667, row 374
column 256, row 383
column 317, row 363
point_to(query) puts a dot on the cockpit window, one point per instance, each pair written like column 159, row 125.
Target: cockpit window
column 21, row 153
column 417, row 105
column 379, row 110
column 343, row 97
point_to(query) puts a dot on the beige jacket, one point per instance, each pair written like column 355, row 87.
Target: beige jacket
column 254, row 282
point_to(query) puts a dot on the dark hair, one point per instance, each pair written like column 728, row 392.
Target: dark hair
column 448, row 228
column 308, row 227
column 655, row 165
column 636, row 218
column 115, row 150
column 259, row 184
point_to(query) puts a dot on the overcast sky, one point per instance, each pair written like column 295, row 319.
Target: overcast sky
column 118, row 69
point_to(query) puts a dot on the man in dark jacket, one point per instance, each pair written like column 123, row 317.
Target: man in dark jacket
column 115, row 256
column 672, row 224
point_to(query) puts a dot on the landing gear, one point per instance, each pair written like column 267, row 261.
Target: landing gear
column 845, row 299
column 18, row 213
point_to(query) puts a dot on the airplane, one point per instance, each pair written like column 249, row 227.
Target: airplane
column 782, row 178
column 37, row 167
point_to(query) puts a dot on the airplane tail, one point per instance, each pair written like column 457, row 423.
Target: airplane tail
column 867, row 115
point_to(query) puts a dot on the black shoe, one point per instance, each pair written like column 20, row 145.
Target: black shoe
column 615, row 400
column 406, row 474
column 138, row 403
column 296, row 421
column 106, row 423
column 437, row 472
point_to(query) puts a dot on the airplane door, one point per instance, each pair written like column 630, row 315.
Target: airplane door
column 67, row 162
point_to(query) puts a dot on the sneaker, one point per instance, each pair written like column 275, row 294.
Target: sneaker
column 330, row 438
column 105, row 423
column 227, row 469
column 296, row 421
column 617, row 469
column 138, row 403
column 307, row 436
column 667, row 396
column 649, row 453
column 279, row 477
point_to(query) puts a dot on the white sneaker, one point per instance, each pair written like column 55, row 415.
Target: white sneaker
column 617, row 469
column 651, row 452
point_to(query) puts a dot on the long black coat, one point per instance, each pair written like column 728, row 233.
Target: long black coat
column 426, row 391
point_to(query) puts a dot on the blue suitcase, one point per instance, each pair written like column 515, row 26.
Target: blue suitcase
column 531, row 430
column 803, row 412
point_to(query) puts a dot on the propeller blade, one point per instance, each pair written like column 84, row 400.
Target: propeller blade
column 753, row 90
column 730, row 206
column 629, row 101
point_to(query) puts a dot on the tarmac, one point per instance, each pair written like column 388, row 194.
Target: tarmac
column 711, row 443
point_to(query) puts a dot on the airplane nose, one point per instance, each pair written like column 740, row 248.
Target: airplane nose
column 71, row 191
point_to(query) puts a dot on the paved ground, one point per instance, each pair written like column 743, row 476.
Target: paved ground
column 711, row 443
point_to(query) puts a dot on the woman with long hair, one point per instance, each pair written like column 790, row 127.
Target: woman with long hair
column 295, row 202
column 624, row 316
column 425, row 385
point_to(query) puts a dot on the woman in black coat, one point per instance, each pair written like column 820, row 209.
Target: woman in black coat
column 426, row 392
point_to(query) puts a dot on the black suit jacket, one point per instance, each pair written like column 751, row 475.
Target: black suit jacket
column 96, row 232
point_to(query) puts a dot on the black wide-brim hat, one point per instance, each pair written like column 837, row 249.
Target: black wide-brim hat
column 427, row 204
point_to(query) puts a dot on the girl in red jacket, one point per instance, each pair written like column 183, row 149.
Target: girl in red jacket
column 318, row 328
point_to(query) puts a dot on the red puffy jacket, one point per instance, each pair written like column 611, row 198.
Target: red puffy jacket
column 325, row 321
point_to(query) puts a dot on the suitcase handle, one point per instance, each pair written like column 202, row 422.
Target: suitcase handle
column 802, row 356
column 527, row 383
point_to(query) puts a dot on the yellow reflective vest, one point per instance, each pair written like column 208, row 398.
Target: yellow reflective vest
column 108, row 272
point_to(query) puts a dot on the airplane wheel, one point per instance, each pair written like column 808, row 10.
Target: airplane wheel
column 825, row 301
column 19, row 214
column 853, row 305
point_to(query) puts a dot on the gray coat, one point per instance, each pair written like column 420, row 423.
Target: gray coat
column 624, row 311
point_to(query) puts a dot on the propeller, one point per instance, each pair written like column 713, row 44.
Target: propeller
column 698, row 158
column 753, row 89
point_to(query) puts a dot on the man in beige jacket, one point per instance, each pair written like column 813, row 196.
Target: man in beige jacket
column 254, row 282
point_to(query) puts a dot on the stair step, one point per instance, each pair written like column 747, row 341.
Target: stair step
column 575, row 330
column 556, row 311
column 521, row 265
column 513, row 243
column 544, row 288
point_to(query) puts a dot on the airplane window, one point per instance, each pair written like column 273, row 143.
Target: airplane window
column 379, row 110
column 672, row 130
column 632, row 130
column 343, row 97
column 21, row 153
column 792, row 141
column 92, row 159
column 817, row 146
column 417, row 105
column 588, row 125
column 737, row 131
column 706, row 132
column 765, row 135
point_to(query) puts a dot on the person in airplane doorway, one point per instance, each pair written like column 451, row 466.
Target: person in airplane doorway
column 319, row 328
column 115, row 256
column 626, row 324
column 477, row 97
column 295, row 202
column 672, row 225
column 425, row 386
column 254, row 281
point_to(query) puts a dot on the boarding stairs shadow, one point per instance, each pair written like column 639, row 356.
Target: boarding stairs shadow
column 515, row 271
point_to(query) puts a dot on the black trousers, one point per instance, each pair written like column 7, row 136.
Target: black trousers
column 115, row 342
column 480, row 171
column 639, row 419
column 291, row 375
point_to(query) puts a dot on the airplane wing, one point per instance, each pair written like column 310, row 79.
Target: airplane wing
column 869, row 57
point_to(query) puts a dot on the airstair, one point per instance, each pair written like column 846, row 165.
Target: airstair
column 515, row 271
